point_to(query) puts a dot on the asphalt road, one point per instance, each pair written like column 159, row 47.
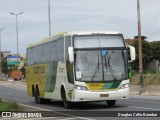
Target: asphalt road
column 88, row 111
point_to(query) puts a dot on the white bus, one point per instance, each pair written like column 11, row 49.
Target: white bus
column 79, row 66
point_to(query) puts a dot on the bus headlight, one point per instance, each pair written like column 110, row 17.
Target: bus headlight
column 79, row 87
column 123, row 86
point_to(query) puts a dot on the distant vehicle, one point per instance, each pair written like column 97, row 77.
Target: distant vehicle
column 10, row 79
column 16, row 74
column 4, row 78
column 79, row 67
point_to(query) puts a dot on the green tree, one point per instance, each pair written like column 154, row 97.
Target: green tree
column 155, row 50
column 13, row 67
column 146, row 52
column 4, row 66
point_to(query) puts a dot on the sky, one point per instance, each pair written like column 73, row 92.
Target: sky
column 74, row 15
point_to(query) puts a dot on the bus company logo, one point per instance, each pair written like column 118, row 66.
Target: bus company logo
column 94, row 84
column 6, row 114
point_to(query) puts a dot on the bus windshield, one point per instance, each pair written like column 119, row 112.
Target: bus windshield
column 100, row 65
column 98, row 41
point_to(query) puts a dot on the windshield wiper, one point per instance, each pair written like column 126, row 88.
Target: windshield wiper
column 124, row 61
column 108, row 67
column 96, row 69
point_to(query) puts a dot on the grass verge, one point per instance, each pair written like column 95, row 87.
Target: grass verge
column 148, row 79
column 9, row 106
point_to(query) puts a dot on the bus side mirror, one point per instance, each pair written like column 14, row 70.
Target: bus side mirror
column 71, row 54
column 132, row 53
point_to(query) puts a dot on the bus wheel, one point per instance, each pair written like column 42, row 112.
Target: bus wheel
column 67, row 104
column 111, row 103
column 47, row 101
column 37, row 97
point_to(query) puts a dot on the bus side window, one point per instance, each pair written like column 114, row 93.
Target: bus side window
column 35, row 70
column 68, row 44
column 43, row 69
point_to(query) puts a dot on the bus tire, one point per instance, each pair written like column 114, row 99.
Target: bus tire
column 37, row 97
column 111, row 103
column 47, row 101
column 67, row 104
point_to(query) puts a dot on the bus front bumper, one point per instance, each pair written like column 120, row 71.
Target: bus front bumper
column 84, row 96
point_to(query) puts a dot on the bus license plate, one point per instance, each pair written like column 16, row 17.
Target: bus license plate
column 104, row 95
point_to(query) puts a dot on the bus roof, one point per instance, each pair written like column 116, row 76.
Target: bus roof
column 46, row 40
column 72, row 33
column 92, row 32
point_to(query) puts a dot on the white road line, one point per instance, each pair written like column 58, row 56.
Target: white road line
column 44, row 118
column 67, row 119
column 144, row 108
column 84, row 118
column 33, row 107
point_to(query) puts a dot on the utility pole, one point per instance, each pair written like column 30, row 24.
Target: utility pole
column 140, row 46
column 0, row 55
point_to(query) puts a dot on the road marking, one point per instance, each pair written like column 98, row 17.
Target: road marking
column 21, row 118
column 57, row 112
column 77, row 118
column 84, row 118
column 67, row 119
column 144, row 108
column 33, row 107
column 47, row 118
column 44, row 118
column 68, row 115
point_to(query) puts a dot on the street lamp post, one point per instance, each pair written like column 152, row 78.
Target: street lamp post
column 49, row 17
column 0, row 56
column 140, row 46
column 16, row 26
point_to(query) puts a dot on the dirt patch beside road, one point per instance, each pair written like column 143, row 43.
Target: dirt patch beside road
column 147, row 90
column 151, row 83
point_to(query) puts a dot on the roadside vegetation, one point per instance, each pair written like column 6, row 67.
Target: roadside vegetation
column 148, row 79
column 151, row 52
column 9, row 106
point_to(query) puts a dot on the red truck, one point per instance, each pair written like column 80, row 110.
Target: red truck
column 16, row 74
